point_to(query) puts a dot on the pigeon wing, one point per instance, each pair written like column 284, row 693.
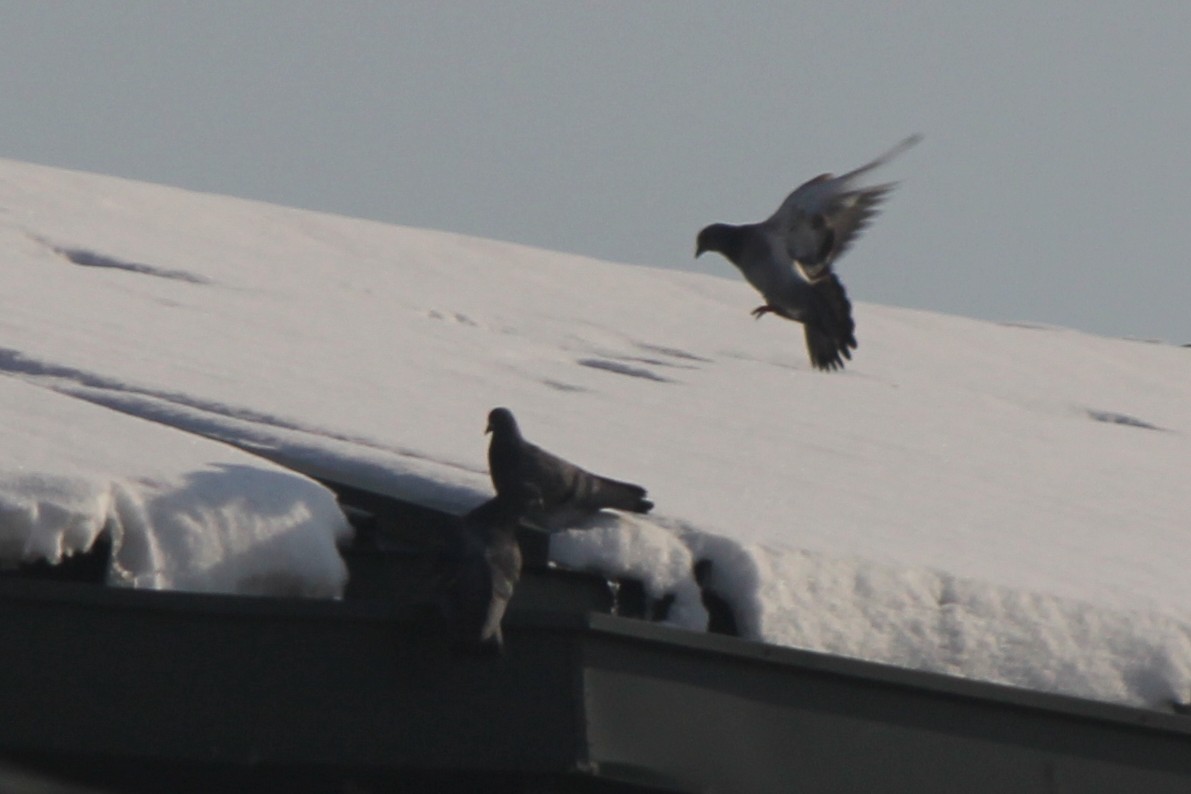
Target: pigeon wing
column 466, row 590
column 825, row 214
column 852, row 215
column 483, row 565
column 564, row 485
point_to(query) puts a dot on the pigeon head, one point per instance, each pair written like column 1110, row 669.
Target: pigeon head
column 720, row 237
column 501, row 422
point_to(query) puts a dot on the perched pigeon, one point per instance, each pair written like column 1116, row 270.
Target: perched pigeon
column 789, row 257
column 567, row 492
column 480, row 568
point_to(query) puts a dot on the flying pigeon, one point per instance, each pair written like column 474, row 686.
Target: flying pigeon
column 566, row 491
column 789, row 256
column 479, row 568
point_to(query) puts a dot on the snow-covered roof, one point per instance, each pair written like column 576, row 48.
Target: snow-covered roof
column 1002, row 502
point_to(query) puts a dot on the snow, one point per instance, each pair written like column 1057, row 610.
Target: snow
column 181, row 512
column 1001, row 502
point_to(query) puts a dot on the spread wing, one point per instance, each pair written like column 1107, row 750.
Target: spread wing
column 825, row 215
column 479, row 569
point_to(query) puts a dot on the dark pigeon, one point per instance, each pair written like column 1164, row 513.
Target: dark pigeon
column 479, row 570
column 567, row 492
column 789, row 256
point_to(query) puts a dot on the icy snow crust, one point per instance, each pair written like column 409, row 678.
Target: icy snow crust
column 1000, row 502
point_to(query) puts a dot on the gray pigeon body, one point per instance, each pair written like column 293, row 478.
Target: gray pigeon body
column 481, row 566
column 567, row 492
column 788, row 257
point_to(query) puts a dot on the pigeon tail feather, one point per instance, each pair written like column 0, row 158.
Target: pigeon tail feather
column 604, row 492
column 830, row 329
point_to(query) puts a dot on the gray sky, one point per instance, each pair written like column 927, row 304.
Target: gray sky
column 1053, row 184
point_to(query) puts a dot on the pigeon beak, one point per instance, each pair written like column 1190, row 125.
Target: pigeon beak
column 488, row 429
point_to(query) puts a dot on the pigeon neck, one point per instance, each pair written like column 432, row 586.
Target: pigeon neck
column 507, row 438
column 511, row 433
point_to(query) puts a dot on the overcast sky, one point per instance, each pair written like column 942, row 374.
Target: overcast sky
column 1053, row 184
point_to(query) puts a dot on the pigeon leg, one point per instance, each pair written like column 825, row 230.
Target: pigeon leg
column 761, row 311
